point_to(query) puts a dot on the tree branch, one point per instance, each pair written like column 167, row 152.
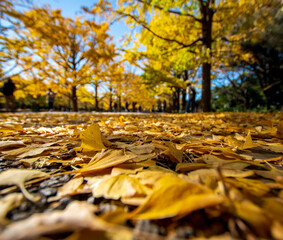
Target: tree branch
column 174, row 12
column 159, row 36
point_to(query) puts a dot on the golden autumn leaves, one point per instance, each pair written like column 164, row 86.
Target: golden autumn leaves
column 170, row 168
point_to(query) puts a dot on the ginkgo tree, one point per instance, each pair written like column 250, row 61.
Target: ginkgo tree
column 193, row 34
column 70, row 51
column 12, row 42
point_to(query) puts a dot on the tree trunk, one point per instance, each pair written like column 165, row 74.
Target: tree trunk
column 207, row 16
column 96, row 98
column 184, row 101
column 119, row 103
column 110, row 100
column 176, row 100
column 134, row 106
column 206, row 87
column 74, row 99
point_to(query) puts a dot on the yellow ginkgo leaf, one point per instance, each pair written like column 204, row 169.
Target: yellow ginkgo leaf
column 91, row 139
column 18, row 177
column 70, row 187
column 173, row 196
column 106, row 159
column 253, row 186
column 119, row 186
column 249, row 142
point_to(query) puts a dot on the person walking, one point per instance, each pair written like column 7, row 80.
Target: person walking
column 191, row 98
column 8, row 91
column 50, row 99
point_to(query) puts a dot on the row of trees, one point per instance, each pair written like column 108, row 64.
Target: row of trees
column 202, row 40
column 73, row 57
column 221, row 45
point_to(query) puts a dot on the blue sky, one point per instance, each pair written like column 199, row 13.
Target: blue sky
column 70, row 8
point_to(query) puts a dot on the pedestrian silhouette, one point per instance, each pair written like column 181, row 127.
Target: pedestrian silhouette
column 8, row 91
column 50, row 99
column 191, row 98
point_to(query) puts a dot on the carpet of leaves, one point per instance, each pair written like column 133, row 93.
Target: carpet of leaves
column 138, row 176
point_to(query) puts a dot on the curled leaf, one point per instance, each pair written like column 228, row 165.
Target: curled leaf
column 18, row 177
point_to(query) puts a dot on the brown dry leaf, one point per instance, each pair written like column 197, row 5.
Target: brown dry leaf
column 32, row 150
column 10, row 127
column 78, row 216
column 70, row 187
column 144, row 157
column 203, row 173
column 253, row 215
column 173, row 196
column 4, row 145
column 253, row 186
column 119, row 186
column 37, row 151
column 10, row 202
column 273, row 207
column 274, row 147
column 18, row 177
column 175, row 154
column 106, row 159
column 185, row 167
column 116, row 216
column 273, row 173
column 277, row 230
column 214, row 161
column 131, row 128
column 91, row 139
column 123, row 169
column 142, row 149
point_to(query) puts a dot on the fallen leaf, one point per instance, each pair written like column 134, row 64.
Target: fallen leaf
column 18, row 177
column 248, row 142
column 78, row 216
column 253, row 215
column 173, row 196
column 142, row 149
column 273, row 173
column 119, row 186
column 149, row 177
column 4, row 145
column 10, row 202
column 91, row 139
column 131, row 128
column 185, row 167
column 133, row 169
column 106, row 159
column 277, row 230
column 202, row 173
column 70, row 187
column 174, row 154
column 10, row 127
column 253, row 186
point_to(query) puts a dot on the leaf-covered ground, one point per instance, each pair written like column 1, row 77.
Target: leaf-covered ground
column 160, row 176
